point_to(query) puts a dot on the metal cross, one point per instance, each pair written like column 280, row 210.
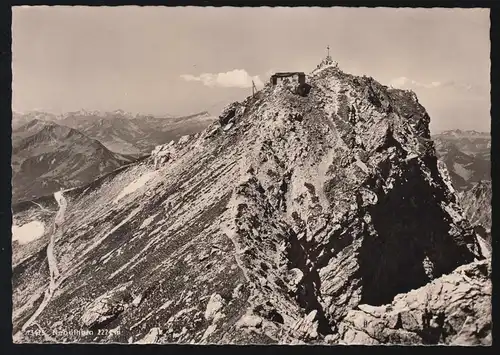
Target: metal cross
column 328, row 48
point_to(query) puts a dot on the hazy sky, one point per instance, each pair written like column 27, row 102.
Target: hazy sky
column 186, row 59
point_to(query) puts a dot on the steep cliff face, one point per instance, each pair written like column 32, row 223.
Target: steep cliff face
column 269, row 226
column 476, row 203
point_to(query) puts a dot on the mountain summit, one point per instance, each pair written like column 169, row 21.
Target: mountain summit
column 47, row 156
column 292, row 211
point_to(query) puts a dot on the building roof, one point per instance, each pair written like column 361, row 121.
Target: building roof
column 285, row 74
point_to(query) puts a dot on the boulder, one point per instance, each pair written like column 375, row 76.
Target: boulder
column 105, row 309
column 307, row 327
column 230, row 113
column 249, row 321
column 152, row 336
column 214, row 307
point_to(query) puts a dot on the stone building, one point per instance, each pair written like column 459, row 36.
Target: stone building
column 298, row 77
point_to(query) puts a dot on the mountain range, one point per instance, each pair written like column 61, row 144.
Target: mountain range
column 47, row 157
column 52, row 152
column 466, row 155
column 20, row 118
column 312, row 213
column 123, row 132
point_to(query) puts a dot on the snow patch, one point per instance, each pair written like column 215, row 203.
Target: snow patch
column 462, row 171
column 27, row 232
column 166, row 304
column 135, row 185
column 147, row 222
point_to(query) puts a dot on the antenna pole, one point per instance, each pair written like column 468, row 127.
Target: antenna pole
column 254, row 89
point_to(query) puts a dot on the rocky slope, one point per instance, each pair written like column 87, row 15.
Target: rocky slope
column 466, row 155
column 47, row 156
column 454, row 309
column 272, row 225
column 476, row 203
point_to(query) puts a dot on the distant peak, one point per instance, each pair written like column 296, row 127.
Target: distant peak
column 462, row 133
column 203, row 113
column 326, row 62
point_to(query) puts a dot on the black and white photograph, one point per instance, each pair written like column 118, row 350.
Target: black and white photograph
column 251, row 175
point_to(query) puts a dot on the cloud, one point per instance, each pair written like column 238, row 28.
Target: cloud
column 404, row 82
column 237, row 78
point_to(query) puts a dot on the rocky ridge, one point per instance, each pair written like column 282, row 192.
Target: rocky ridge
column 476, row 203
column 273, row 225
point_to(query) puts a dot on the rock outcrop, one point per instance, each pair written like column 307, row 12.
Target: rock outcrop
column 476, row 203
column 280, row 219
column 454, row 309
column 231, row 113
column 105, row 309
